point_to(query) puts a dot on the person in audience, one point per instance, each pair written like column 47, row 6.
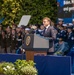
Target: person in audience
column 65, row 27
column 62, row 33
column 27, row 30
column 60, row 21
column 40, row 30
column 14, row 26
column 8, row 39
column 23, row 33
column 34, row 29
column 19, row 39
column 13, row 41
column 61, row 47
column 70, row 38
column 3, row 42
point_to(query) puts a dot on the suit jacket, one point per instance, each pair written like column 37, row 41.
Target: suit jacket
column 70, row 39
column 50, row 32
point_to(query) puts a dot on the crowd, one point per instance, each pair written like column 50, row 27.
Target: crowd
column 65, row 32
column 62, row 34
column 11, row 39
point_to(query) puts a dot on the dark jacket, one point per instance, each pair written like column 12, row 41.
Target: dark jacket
column 13, row 42
column 70, row 39
column 3, row 42
column 8, row 40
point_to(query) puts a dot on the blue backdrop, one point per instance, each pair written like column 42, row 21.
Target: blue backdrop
column 53, row 65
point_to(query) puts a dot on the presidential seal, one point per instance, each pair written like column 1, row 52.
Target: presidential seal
column 28, row 40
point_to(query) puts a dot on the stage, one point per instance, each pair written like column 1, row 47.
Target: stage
column 46, row 65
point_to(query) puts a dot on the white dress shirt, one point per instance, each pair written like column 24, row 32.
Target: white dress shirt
column 47, row 27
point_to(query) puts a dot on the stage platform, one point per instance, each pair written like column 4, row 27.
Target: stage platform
column 46, row 65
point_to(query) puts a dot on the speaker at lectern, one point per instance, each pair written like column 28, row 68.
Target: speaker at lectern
column 34, row 45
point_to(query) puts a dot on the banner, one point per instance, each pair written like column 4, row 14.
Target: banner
column 66, row 10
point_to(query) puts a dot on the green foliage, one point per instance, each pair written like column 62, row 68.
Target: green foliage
column 13, row 10
column 39, row 9
column 9, row 10
column 1, row 69
column 20, row 67
column 21, row 63
column 8, row 68
column 24, row 67
column 29, row 70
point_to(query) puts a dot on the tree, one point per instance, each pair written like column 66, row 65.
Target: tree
column 38, row 9
column 9, row 10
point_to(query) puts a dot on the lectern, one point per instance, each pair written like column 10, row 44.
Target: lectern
column 35, row 45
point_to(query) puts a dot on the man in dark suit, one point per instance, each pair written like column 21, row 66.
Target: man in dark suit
column 49, row 32
column 70, row 38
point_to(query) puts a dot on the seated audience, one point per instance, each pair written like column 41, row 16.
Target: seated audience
column 61, row 47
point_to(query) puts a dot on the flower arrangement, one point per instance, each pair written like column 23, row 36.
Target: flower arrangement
column 20, row 67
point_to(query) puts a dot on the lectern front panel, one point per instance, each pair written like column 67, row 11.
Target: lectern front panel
column 28, row 42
